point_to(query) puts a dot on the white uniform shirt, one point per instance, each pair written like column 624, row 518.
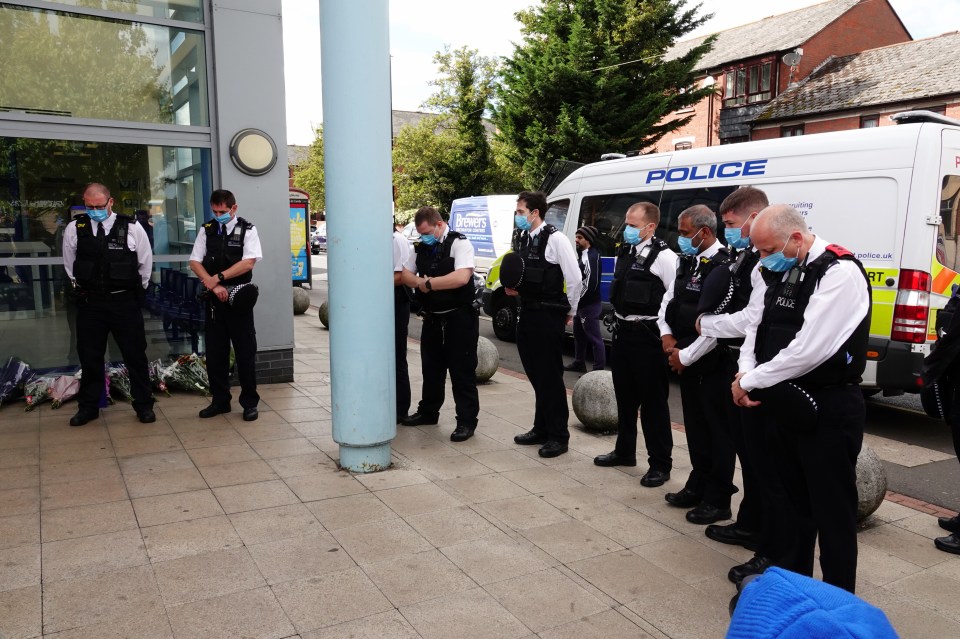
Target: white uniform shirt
column 137, row 240
column 560, row 251
column 834, row 312
column 702, row 345
column 251, row 243
column 401, row 251
column 734, row 325
column 461, row 251
column 665, row 268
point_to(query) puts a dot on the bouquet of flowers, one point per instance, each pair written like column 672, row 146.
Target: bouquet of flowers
column 159, row 374
column 190, row 373
column 63, row 389
column 119, row 380
column 36, row 391
column 12, row 377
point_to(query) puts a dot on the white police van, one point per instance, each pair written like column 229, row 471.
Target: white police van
column 890, row 194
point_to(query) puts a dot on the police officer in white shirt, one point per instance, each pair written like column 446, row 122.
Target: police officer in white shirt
column 645, row 272
column 801, row 366
column 549, row 263
column 223, row 257
column 401, row 321
column 441, row 269
column 108, row 259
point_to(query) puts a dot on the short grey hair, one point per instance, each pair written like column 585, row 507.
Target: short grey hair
column 700, row 216
column 783, row 220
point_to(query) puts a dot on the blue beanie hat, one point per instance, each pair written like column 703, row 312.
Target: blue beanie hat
column 780, row 604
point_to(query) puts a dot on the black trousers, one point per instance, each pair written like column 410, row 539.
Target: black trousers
column 818, row 471
column 708, row 417
column 223, row 327
column 540, row 335
column 448, row 342
column 401, row 321
column 641, row 381
column 98, row 317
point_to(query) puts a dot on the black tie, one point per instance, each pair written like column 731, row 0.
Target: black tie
column 100, row 232
column 223, row 229
column 633, row 251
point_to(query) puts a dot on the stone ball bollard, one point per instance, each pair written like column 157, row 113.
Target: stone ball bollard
column 325, row 314
column 301, row 301
column 488, row 359
column 594, row 402
column 871, row 483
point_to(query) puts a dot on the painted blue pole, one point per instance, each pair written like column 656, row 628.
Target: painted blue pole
column 355, row 69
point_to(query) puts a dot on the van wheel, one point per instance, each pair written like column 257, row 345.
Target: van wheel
column 505, row 320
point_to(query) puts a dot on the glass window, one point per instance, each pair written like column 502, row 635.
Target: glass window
column 791, row 131
column 950, row 205
column 185, row 10
column 741, row 81
column 869, row 121
column 86, row 67
column 557, row 213
column 730, row 90
column 673, row 203
column 606, row 213
column 765, row 77
column 682, row 146
column 754, row 79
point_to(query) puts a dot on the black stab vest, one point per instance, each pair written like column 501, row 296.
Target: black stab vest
column 741, row 268
column 682, row 311
column 223, row 251
column 542, row 285
column 437, row 261
column 104, row 266
column 786, row 300
column 635, row 290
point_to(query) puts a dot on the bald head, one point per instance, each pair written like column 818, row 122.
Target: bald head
column 779, row 225
column 95, row 189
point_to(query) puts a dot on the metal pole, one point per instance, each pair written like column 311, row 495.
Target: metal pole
column 355, row 71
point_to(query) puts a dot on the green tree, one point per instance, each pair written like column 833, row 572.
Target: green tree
column 589, row 77
column 419, row 154
column 309, row 176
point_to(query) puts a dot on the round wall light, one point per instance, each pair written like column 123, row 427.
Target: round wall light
column 253, row 152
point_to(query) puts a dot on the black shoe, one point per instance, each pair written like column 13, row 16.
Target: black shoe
column 213, row 410
column 613, row 459
column 400, row 418
column 686, row 498
column 731, row 534
column 950, row 543
column 147, row 416
column 420, row 420
column 951, row 524
column 250, row 414
column 83, row 417
column 577, row 367
column 530, row 438
column 462, row 433
column 552, row 449
column 654, row 478
column 706, row 514
column 755, row 566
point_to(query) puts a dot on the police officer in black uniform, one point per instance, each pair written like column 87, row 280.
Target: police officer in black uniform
column 645, row 270
column 108, row 258
column 810, row 352
column 441, row 269
column 704, row 373
column 223, row 257
column 549, row 262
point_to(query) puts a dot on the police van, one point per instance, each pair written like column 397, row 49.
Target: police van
column 890, row 194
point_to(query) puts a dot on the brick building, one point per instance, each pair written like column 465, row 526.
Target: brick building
column 747, row 67
column 864, row 89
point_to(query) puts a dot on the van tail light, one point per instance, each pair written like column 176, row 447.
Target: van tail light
column 912, row 309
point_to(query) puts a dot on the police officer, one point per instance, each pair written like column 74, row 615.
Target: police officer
column 401, row 322
column 223, row 257
column 645, row 271
column 758, row 526
column 107, row 256
column 441, row 269
column 549, row 262
column 704, row 373
column 801, row 367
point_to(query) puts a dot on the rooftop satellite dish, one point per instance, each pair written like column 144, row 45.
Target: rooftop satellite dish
column 791, row 59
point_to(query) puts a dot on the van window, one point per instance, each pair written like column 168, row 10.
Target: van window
column 557, row 213
column 606, row 213
column 949, row 204
column 673, row 203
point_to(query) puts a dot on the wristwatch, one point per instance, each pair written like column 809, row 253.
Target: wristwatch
column 220, row 276
column 427, row 285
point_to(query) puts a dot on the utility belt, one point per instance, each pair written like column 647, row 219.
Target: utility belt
column 632, row 327
column 537, row 305
column 434, row 316
column 99, row 297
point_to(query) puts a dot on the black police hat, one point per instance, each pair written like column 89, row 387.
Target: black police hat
column 511, row 270
column 243, row 297
column 716, row 292
column 796, row 408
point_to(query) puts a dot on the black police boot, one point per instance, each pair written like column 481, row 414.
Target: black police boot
column 950, row 524
column 653, row 478
column 213, row 410
column 706, row 513
column 462, row 433
column 614, row 459
column 950, row 543
column 82, row 417
column 250, row 414
column 552, row 449
column 530, row 438
column 754, row 566
column 686, row 498
column 420, row 420
column 146, row 416
column 733, row 535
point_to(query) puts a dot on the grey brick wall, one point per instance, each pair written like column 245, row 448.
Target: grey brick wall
column 274, row 367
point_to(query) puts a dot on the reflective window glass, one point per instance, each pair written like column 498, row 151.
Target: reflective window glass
column 185, row 10
column 85, row 67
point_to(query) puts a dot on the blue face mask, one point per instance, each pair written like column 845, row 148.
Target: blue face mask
column 735, row 238
column 686, row 244
column 223, row 219
column 428, row 239
column 631, row 235
column 521, row 222
column 98, row 215
column 778, row 262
